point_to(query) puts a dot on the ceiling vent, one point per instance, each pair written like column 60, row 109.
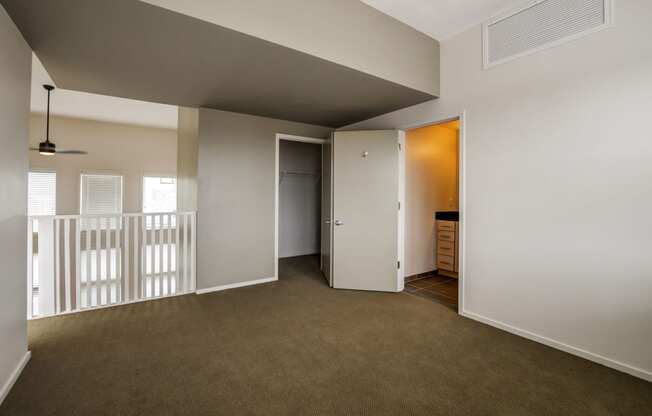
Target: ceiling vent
column 541, row 24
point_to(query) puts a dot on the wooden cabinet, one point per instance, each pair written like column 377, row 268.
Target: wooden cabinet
column 446, row 247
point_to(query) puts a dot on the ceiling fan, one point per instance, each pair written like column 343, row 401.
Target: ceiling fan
column 48, row 148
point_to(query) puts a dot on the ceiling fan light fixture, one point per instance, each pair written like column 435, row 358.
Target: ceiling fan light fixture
column 47, row 148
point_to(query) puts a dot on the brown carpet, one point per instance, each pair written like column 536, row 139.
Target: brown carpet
column 296, row 347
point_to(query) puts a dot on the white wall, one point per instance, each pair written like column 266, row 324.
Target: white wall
column 558, row 164
column 235, row 225
column 187, row 158
column 121, row 148
column 15, row 71
column 299, row 199
column 430, row 186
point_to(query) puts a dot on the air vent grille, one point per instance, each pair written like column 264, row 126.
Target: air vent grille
column 542, row 24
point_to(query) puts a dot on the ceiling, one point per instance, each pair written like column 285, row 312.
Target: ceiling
column 77, row 104
column 130, row 49
column 442, row 19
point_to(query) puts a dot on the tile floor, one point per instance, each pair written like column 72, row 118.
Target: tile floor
column 440, row 289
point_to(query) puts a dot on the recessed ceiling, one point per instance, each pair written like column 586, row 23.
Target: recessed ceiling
column 131, row 49
column 442, row 19
column 77, row 104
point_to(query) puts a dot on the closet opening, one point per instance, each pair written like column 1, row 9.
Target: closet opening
column 298, row 207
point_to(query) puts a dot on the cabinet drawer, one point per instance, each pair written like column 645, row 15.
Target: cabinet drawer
column 446, row 248
column 446, row 262
column 446, row 225
column 446, row 235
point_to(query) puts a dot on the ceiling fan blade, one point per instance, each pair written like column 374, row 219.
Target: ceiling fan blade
column 72, row 152
column 34, row 149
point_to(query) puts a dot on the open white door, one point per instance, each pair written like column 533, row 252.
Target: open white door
column 367, row 192
column 326, row 209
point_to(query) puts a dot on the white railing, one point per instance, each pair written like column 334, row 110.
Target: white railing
column 86, row 262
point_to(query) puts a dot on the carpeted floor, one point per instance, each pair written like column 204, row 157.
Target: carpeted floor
column 296, row 347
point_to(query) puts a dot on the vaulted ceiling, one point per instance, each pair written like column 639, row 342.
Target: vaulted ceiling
column 131, row 49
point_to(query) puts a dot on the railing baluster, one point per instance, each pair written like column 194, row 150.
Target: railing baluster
column 98, row 262
column 177, row 255
column 57, row 266
column 78, row 264
column 66, row 263
column 168, row 265
column 118, row 261
column 87, row 230
column 108, row 255
column 30, row 267
column 126, row 265
column 185, row 253
column 193, row 251
column 159, row 248
column 137, row 260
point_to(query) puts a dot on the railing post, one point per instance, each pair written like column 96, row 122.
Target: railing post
column 46, row 263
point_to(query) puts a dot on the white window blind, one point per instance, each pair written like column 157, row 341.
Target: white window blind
column 42, row 193
column 101, row 194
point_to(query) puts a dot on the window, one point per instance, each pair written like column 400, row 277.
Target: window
column 41, row 193
column 101, row 194
column 159, row 196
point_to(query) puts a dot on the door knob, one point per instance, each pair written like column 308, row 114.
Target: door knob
column 327, row 222
column 338, row 222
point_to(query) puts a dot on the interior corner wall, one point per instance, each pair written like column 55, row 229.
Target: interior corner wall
column 15, row 76
column 129, row 150
column 187, row 159
column 557, row 171
column 236, row 197
column 299, row 199
column 431, row 185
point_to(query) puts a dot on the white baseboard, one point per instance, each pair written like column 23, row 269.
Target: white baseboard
column 235, row 285
column 608, row 362
column 14, row 376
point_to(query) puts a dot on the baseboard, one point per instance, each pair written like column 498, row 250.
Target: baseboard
column 235, row 285
column 607, row 362
column 14, row 376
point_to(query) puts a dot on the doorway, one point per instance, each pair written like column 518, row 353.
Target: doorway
column 298, row 203
column 433, row 205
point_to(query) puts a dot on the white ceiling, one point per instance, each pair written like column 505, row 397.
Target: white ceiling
column 442, row 19
column 77, row 104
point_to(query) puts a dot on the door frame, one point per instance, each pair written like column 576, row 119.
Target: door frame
column 461, row 156
column 292, row 138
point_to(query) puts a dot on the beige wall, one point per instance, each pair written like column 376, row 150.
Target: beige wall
column 431, row 185
column 558, row 201
column 235, row 232
column 187, row 158
column 346, row 32
column 15, row 71
column 121, row 148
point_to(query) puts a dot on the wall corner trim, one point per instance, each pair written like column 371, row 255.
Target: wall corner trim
column 607, row 362
column 235, row 285
column 14, row 376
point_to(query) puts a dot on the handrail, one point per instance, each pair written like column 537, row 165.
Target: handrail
column 131, row 214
